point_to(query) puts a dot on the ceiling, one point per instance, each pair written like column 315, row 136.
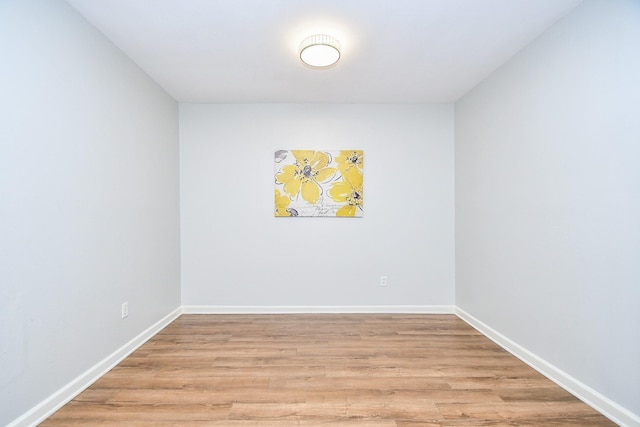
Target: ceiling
column 393, row 51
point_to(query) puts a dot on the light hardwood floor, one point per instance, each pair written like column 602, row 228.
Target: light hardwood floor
column 325, row 370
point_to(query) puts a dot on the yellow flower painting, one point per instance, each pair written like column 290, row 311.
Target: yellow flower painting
column 319, row 183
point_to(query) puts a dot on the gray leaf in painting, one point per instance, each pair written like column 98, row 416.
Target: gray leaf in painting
column 280, row 155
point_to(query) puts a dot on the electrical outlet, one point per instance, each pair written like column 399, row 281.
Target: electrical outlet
column 383, row 281
column 125, row 309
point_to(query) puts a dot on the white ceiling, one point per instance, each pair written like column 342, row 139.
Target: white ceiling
column 394, row 51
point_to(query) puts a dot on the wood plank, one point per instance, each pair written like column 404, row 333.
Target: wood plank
column 388, row 370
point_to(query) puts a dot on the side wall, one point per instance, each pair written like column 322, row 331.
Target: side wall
column 235, row 253
column 89, row 202
column 548, row 199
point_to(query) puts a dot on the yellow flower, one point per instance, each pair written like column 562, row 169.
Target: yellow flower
column 348, row 191
column 282, row 201
column 350, row 159
column 305, row 175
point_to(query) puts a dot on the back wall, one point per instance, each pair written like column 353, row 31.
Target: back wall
column 236, row 253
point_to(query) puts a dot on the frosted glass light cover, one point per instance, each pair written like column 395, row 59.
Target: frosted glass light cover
column 320, row 51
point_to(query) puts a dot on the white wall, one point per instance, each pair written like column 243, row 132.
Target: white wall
column 235, row 253
column 548, row 199
column 88, row 200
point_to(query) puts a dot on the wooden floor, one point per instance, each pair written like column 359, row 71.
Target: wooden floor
column 323, row 370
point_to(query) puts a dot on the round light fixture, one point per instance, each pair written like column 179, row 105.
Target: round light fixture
column 320, row 51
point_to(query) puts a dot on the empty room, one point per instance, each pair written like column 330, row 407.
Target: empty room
column 296, row 213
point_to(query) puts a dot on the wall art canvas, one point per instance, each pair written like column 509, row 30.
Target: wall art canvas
column 319, row 183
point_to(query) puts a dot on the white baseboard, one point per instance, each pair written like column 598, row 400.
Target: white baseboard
column 602, row 404
column 47, row 407
column 287, row 309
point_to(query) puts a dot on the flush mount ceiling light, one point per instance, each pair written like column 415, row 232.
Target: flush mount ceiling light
column 320, row 51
